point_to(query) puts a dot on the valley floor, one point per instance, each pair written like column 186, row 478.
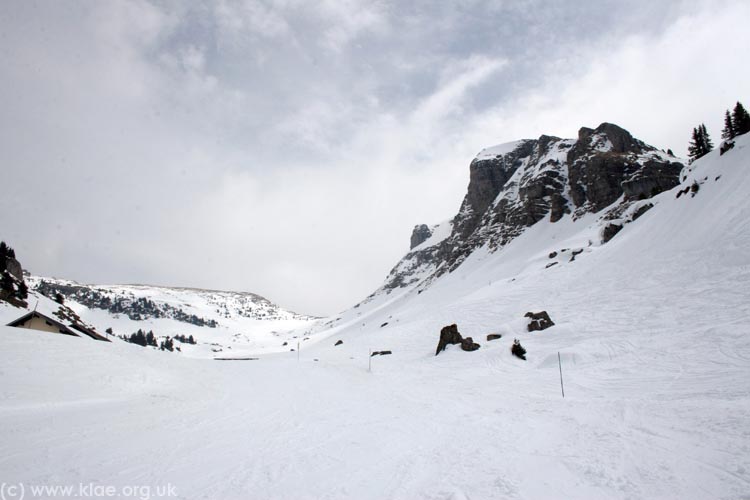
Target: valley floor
column 656, row 406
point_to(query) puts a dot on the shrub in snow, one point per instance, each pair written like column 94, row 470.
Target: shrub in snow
column 517, row 350
column 725, row 146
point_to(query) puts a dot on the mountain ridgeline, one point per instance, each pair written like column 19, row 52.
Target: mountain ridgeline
column 515, row 185
column 202, row 308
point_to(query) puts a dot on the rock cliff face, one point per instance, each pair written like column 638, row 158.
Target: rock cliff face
column 516, row 185
column 419, row 235
column 14, row 268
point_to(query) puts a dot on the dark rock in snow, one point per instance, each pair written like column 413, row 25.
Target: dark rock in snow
column 380, row 353
column 494, row 336
column 14, row 268
column 448, row 335
column 539, row 321
column 469, row 345
column 419, row 235
column 384, row 324
column 551, row 264
column 338, row 342
column 553, row 255
column 641, row 210
column 609, row 231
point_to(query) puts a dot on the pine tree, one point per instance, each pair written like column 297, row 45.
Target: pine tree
column 740, row 120
column 3, row 255
column 23, row 291
column 695, row 148
column 701, row 143
column 7, row 284
column 6, row 252
column 728, row 132
column 708, row 146
column 167, row 345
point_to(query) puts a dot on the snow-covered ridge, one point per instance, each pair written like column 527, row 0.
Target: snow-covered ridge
column 219, row 320
column 499, row 150
column 214, row 304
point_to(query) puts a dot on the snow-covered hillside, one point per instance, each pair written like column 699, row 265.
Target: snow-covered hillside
column 222, row 323
column 652, row 327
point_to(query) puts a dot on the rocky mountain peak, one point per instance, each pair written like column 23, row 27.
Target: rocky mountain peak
column 608, row 135
column 515, row 185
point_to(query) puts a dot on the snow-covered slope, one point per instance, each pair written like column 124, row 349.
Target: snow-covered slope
column 652, row 328
column 222, row 323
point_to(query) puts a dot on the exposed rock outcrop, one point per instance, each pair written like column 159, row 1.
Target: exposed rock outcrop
column 419, row 235
column 609, row 231
column 539, row 321
column 14, row 268
column 450, row 335
column 516, row 185
column 469, row 345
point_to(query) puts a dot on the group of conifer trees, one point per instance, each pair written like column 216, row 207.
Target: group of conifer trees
column 149, row 339
column 736, row 123
column 10, row 287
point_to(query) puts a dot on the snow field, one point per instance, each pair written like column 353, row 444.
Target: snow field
column 652, row 329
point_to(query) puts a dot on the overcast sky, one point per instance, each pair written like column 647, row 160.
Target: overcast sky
column 289, row 147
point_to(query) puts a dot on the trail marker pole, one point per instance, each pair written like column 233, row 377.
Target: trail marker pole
column 298, row 352
column 559, row 363
column 369, row 362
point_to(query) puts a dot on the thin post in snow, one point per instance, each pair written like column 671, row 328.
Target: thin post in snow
column 559, row 363
column 369, row 361
column 298, row 351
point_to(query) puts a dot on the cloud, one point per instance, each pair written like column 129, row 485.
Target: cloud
column 250, row 17
column 288, row 148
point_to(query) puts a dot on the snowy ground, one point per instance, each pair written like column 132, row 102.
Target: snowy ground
column 652, row 329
